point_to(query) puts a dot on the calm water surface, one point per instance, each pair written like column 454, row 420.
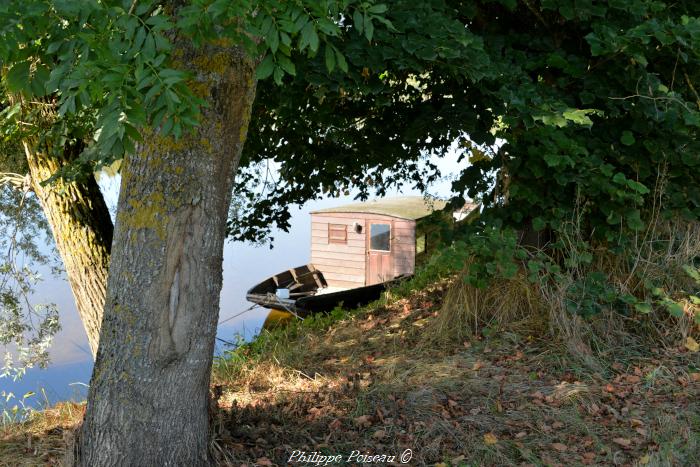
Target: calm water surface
column 244, row 265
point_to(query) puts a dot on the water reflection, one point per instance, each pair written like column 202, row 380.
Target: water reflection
column 244, row 265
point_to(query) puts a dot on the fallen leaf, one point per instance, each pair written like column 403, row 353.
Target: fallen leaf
column 363, row 420
column 559, row 447
column 695, row 377
column 641, row 431
column 335, row 424
column 624, row 442
column 691, row 344
column 477, row 366
column 457, row 460
column 490, row 439
column 644, row 460
column 379, row 434
column 521, row 435
column 633, row 379
column 263, row 461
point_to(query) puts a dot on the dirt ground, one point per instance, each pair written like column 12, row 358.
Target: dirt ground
column 372, row 389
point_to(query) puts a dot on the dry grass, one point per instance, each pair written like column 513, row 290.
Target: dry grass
column 504, row 375
column 42, row 439
column 374, row 382
column 513, row 305
column 542, row 309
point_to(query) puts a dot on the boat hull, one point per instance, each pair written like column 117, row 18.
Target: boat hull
column 302, row 284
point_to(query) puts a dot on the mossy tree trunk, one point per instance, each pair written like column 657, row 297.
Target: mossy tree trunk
column 81, row 227
column 148, row 398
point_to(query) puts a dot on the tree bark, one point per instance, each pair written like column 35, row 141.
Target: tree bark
column 82, row 229
column 148, row 398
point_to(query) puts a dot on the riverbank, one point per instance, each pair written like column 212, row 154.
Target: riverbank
column 381, row 382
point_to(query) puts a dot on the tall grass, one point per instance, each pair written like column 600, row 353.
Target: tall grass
column 642, row 283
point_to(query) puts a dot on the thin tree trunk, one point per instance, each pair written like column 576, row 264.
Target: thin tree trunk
column 148, row 398
column 82, row 229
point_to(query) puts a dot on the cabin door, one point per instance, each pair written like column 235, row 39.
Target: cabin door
column 379, row 264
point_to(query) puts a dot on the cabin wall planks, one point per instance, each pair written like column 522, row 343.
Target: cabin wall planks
column 346, row 264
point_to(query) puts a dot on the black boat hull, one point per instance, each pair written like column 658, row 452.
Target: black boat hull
column 304, row 282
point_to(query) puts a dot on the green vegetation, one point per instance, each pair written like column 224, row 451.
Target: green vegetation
column 463, row 376
column 579, row 121
column 459, row 374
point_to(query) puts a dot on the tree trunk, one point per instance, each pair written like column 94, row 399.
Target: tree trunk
column 82, row 230
column 148, row 398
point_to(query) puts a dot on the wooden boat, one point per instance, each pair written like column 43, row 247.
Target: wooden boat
column 303, row 290
column 357, row 250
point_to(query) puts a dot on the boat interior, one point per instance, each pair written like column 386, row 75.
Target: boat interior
column 302, row 281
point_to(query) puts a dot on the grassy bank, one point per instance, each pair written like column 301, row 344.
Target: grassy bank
column 398, row 375
column 416, row 371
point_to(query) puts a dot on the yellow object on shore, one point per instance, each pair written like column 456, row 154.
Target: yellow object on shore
column 277, row 318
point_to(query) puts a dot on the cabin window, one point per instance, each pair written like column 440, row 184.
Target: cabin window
column 420, row 244
column 338, row 233
column 380, row 237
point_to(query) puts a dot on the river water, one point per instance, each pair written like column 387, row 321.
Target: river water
column 244, row 265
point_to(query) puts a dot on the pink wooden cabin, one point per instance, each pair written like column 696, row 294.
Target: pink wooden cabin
column 371, row 242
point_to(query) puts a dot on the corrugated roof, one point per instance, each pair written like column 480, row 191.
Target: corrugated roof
column 404, row 207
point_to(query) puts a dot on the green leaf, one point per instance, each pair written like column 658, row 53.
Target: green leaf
column 309, row 38
column 620, row 178
column 378, row 8
column 277, row 75
column 273, row 40
column 357, row 20
column 643, row 307
column 627, row 138
column 286, row 64
column 693, row 272
column 538, row 224
column 579, row 116
column 314, row 41
column 638, row 187
column 167, row 126
column 330, row 58
column 153, row 92
column 673, row 307
column 634, row 220
column 266, row 67
column 39, row 80
column 369, row 28
column 17, row 79
column 342, row 64
column 553, row 160
column 67, row 107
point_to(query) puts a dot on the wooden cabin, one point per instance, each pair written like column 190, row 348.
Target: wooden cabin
column 356, row 250
column 372, row 242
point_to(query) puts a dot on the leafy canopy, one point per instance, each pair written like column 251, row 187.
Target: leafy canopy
column 107, row 66
column 595, row 106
